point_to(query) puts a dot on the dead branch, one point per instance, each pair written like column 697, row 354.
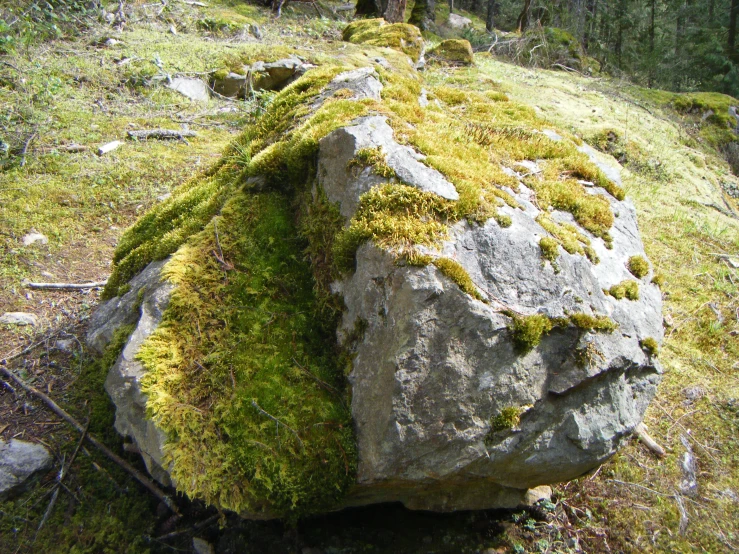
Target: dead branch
column 25, row 147
column 195, row 527
column 60, row 478
column 641, row 432
column 277, row 422
column 718, row 208
column 66, row 286
column 54, row 407
column 161, row 134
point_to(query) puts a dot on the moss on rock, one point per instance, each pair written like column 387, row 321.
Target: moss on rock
column 378, row 32
column 459, row 275
column 625, row 289
column 638, row 266
column 453, row 52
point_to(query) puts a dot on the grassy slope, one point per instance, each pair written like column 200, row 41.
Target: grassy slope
column 682, row 237
column 82, row 202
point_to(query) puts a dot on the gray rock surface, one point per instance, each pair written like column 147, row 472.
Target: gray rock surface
column 343, row 185
column 435, row 365
column 458, row 22
column 20, row 461
column 264, row 76
column 34, row 237
column 18, row 318
column 194, row 89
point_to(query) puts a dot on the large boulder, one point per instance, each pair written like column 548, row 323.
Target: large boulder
column 437, row 368
column 495, row 362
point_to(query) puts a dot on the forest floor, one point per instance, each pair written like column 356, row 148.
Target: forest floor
column 84, row 91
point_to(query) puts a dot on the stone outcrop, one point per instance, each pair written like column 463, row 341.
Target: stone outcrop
column 258, row 76
column 20, row 462
column 450, row 413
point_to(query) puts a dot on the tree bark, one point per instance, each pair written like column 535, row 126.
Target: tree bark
column 652, row 17
column 490, row 19
column 523, row 18
column 366, row 8
column 423, row 14
column 395, row 12
column 733, row 13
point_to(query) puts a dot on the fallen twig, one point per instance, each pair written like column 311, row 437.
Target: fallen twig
column 54, row 407
column 25, row 147
column 718, row 208
column 641, row 432
column 195, row 527
column 162, row 134
column 60, row 478
column 66, row 286
column 277, row 421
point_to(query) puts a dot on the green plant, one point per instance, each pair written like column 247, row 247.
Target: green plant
column 625, row 289
column 638, row 266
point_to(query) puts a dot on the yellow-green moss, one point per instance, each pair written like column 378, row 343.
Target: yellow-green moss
column 638, row 266
column 377, row 32
column 459, row 275
column 625, row 289
column 395, row 217
column 593, row 323
column 251, row 398
column 374, row 158
column 549, row 248
column 658, row 280
column 508, row 418
column 452, row 51
column 529, row 330
column 650, row 345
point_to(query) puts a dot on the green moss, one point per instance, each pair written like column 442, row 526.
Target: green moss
column 529, row 330
column 454, row 271
column 658, row 280
column 395, row 217
column 625, row 289
column 374, row 158
column 377, row 32
column 251, row 399
column 507, row 419
column 452, row 51
column 638, row 266
column 650, row 345
column 549, row 248
column 593, row 323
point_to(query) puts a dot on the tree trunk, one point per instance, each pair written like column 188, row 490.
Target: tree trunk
column 423, row 14
column 395, row 12
column 451, row 6
column 652, row 16
column 590, row 8
column 366, row 8
column 732, row 28
column 490, row 19
column 523, row 18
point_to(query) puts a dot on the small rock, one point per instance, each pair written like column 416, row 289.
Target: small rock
column 458, row 22
column 33, row 237
column 19, row 461
column 19, row 318
column 47, row 275
column 537, row 494
column 109, row 147
column 163, row 197
column 255, row 31
column 173, row 29
column 423, row 99
column 65, row 345
column 111, row 42
column 693, row 393
column 194, row 89
column 201, row 546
